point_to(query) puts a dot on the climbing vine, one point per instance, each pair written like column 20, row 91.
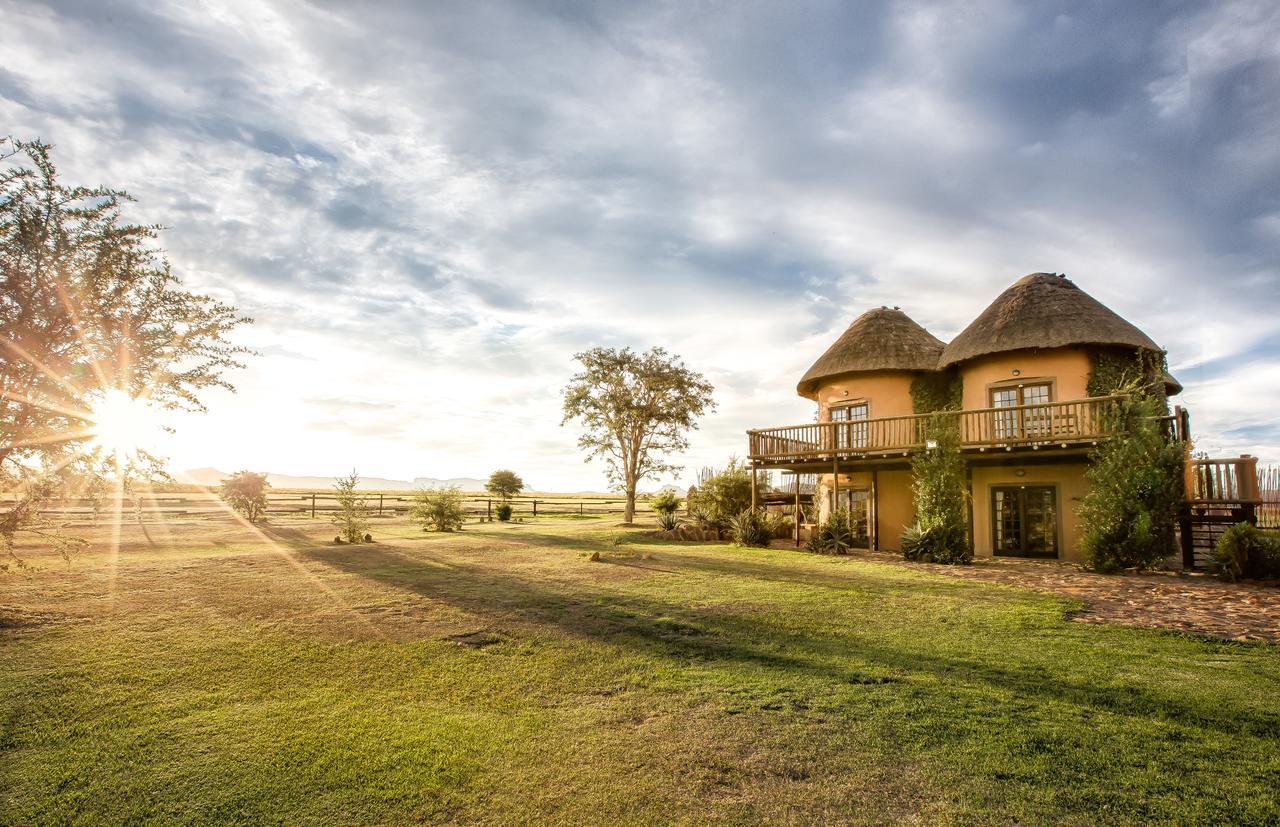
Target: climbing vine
column 932, row 392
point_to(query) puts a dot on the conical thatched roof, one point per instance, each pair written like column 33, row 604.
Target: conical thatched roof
column 881, row 339
column 1043, row 310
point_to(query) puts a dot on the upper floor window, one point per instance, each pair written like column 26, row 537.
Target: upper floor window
column 1018, row 424
column 852, row 430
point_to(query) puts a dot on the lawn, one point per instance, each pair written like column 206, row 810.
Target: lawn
column 205, row 674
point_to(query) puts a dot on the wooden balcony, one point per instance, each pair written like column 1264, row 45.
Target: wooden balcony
column 1079, row 422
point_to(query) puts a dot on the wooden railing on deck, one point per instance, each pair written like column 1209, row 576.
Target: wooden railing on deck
column 1232, row 481
column 1055, row 423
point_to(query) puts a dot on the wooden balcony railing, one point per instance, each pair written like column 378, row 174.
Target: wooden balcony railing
column 1210, row 481
column 1056, row 423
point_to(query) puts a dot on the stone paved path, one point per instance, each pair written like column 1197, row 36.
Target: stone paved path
column 1165, row 600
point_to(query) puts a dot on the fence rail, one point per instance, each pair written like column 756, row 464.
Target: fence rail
column 317, row 504
column 1055, row 423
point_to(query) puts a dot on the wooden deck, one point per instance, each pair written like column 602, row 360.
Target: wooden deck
column 1063, row 425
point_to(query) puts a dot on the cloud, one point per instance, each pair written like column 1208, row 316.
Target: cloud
column 437, row 206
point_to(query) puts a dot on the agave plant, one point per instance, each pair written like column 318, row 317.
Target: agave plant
column 835, row 535
column 750, row 528
column 668, row 521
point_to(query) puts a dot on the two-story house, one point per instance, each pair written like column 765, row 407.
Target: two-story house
column 1019, row 375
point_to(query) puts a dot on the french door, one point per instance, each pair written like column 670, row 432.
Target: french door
column 851, row 432
column 1021, row 423
column 1024, row 520
column 857, row 502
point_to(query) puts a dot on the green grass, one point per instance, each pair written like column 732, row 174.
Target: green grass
column 501, row 676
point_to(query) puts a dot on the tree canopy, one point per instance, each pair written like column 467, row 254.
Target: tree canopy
column 504, row 484
column 246, row 492
column 89, row 307
column 635, row 409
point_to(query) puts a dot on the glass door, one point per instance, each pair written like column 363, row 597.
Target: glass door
column 851, row 432
column 1017, row 424
column 1024, row 521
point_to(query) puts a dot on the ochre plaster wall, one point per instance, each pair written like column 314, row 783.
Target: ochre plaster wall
column 1066, row 368
column 1069, row 482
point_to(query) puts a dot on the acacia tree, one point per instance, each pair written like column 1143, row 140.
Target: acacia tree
column 635, row 409
column 504, row 484
column 246, row 492
column 88, row 307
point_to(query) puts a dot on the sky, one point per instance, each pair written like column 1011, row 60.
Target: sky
column 428, row 209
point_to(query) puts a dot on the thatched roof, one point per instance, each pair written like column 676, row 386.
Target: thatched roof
column 882, row 339
column 1042, row 310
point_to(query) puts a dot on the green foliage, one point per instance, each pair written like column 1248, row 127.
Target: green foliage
column 504, row 512
column 505, row 484
column 835, row 535
column 246, row 492
column 1118, row 371
column 1246, row 551
column 439, row 509
column 88, row 306
column 665, row 502
column 668, row 521
column 1134, row 491
column 940, row 533
column 352, row 516
column 722, row 495
column 932, row 392
column 635, row 410
column 751, row 528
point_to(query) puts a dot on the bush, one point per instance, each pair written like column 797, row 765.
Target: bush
column 780, row 524
column 503, row 511
column 352, row 517
column 439, row 509
column 1245, row 551
column 668, row 521
column 1134, row 493
column 941, row 530
column 941, row 543
column 723, row 495
column 246, row 492
column 665, row 502
column 751, row 528
column 835, row 535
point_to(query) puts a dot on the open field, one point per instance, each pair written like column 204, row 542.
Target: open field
column 209, row 673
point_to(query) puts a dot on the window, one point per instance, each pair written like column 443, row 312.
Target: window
column 851, row 432
column 857, row 502
column 1024, row 521
column 1009, row 425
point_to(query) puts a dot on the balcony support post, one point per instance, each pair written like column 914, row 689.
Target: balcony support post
column 796, row 477
column 835, row 484
column 873, row 517
column 754, row 496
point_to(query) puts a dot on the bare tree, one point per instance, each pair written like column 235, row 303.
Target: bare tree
column 636, row 409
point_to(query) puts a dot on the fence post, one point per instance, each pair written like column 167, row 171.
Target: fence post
column 313, row 506
column 535, row 508
column 579, row 509
column 488, row 509
column 379, row 505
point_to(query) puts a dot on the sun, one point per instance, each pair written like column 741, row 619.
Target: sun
column 121, row 424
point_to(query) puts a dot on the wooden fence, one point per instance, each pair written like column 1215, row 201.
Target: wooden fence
column 317, row 504
column 1269, row 496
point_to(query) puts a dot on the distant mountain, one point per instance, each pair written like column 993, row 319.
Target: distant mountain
column 211, row 477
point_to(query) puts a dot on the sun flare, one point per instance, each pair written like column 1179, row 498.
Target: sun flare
column 124, row 425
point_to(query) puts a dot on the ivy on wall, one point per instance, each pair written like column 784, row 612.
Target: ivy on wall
column 933, row 392
column 941, row 492
column 1121, row 371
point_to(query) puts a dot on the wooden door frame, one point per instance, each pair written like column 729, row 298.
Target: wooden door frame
column 1022, row 519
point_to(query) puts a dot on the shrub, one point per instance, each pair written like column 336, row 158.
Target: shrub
column 439, row 509
column 503, row 511
column 665, row 502
column 1134, row 492
column 780, row 524
column 246, row 492
column 750, row 528
column 941, row 530
column 834, row 535
column 941, row 543
column 352, row 516
column 668, row 521
column 1245, row 551
column 723, row 494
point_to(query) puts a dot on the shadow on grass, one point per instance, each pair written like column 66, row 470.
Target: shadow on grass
column 710, row 635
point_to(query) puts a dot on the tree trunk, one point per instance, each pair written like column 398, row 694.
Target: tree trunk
column 629, row 513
